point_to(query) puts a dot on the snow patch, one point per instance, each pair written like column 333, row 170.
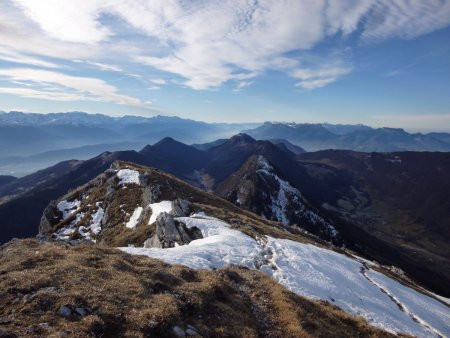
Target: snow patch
column 365, row 261
column 134, row 218
column 221, row 246
column 128, row 176
column 95, row 226
column 65, row 233
column 96, row 221
column 68, row 208
column 158, row 208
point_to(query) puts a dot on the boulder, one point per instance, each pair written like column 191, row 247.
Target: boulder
column 65, row 311
column 50, row 217
column 170, row 232
column 180, row 208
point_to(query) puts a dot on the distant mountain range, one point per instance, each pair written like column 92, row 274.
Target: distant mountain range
column 373, row 203
column 29, row 142
column 313, row 137
column 78, row 124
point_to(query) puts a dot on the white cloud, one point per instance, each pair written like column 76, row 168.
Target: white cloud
column 21, row 58
column 65, row 87
column 246, row 36
column 44, row 95
column 19, row 34
column 315, row 83
column 101, row 66
column 71, row 21
column 158, row 81
column 319, row 77
column 405, row 18
column 208, row 43
column 242, row 84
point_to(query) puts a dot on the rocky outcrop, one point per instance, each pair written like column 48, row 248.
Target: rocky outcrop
column 170, row 232
column 49, row 219
column 180, row 208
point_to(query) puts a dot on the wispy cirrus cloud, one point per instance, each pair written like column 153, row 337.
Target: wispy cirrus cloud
column 45, row 94
column 208, row 43
column 242, row 84
column 22, row 58
column 158, row 81
column 58, row 86
column 313, row 78
column 101, row 66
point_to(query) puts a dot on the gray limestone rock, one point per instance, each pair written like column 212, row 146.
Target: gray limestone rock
column 65, row 311
column 169, row 231
column 180, row 208
column 49, row 218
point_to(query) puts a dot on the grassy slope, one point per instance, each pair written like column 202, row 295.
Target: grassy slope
column 130, row 296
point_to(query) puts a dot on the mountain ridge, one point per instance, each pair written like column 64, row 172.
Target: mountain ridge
column 138, row 209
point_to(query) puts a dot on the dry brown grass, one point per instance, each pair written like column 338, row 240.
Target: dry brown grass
column 131, row 296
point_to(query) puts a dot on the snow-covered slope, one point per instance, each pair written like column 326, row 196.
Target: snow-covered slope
column 311, row 271
column 221, row 246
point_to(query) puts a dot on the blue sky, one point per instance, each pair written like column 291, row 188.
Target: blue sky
column 378, row 62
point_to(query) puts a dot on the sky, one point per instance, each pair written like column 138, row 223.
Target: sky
column 377, row 62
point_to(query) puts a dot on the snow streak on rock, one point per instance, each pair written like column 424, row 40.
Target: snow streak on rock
column 96, row 222
column 287, row 195
column 94, row 227
column 68, row 208
column 66, row 232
